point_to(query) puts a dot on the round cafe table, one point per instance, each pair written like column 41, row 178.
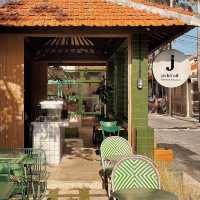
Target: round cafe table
column 143, row 194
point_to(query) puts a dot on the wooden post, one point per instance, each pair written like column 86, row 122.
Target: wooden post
column 198, row 55
column 187, row 99
column 170, row 101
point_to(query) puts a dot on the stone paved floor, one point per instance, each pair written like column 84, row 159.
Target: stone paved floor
column 77, row 176
column 183, row 136
column 77, row 194
column 80, row 162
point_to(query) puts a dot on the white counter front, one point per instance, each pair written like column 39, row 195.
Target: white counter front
column 49, row 136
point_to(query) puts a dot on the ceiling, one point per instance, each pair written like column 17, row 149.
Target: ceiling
column 73, row 48
column 84, row 49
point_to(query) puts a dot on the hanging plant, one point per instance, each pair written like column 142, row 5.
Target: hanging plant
column 72, row 98
column 104, row 91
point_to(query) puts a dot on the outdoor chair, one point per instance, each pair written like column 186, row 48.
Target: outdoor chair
column 14, row 173
column 36, row 171
column 109, row 128
column 34, row 163
column 112, row 149
column 133, row 173
column 4, row 171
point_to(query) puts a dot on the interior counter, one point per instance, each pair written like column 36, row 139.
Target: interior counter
column 49, row 136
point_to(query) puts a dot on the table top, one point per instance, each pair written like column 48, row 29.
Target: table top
column 144, row 194
column 6, row 190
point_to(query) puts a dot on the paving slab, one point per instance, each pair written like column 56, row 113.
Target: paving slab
column 167, row 122
column 79, row 194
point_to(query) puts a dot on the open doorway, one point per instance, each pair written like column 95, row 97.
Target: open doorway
column 89, row 73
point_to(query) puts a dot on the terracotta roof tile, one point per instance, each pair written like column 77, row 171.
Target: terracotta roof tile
column 78, row 13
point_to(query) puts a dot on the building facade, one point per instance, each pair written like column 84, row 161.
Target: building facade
column 123, row 34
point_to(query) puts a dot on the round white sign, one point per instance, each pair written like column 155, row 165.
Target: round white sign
column 171, row 68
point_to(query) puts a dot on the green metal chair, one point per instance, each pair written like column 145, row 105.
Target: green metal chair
column 4, row 171
column 135, row 172
column 18, row 176
column 109, row 128
column 34, row 163
column 36, row 171
column 14, row 172
column 112, row 149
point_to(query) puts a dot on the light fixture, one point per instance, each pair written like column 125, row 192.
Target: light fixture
column 140, row 83
column 139, row 80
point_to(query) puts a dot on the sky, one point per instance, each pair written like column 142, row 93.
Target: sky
column 187, row 43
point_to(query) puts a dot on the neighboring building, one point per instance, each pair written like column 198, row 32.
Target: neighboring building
column 185, row 99
column 195, row 98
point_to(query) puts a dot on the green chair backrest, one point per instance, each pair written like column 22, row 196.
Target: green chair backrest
column 36, row 158
column 34, row 154
column 135, row 172
column 115, row 146
column 109, row 127
column 4, row 171
column 4, row 167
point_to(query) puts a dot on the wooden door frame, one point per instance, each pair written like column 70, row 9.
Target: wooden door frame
column 104, row 34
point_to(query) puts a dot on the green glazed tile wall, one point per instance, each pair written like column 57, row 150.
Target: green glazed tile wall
column 110, row 82
column 145, row 141
column 120, row 83
column 145, row 135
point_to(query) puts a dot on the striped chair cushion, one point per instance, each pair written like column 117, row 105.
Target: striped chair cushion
column 114, row 147
column 135, row 172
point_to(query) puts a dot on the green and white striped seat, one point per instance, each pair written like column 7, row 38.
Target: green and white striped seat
column 114, row 148
column 135, row 172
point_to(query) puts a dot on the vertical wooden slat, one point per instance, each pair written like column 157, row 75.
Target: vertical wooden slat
column 38, row 85
column 179, row 100
column 11, row 90
column 125, row 85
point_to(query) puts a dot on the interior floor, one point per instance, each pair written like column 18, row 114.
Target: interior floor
column 80, row 161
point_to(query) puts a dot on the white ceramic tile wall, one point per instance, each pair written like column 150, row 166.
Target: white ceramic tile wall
column 49, row 137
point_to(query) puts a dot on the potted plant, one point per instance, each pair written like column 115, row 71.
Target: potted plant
column 75, row 117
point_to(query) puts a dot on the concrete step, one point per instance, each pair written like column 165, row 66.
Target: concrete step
column 76, row 194
column 54, row 184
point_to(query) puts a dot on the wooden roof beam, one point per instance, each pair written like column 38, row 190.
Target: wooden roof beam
column 80, row 63
column 58, row 58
